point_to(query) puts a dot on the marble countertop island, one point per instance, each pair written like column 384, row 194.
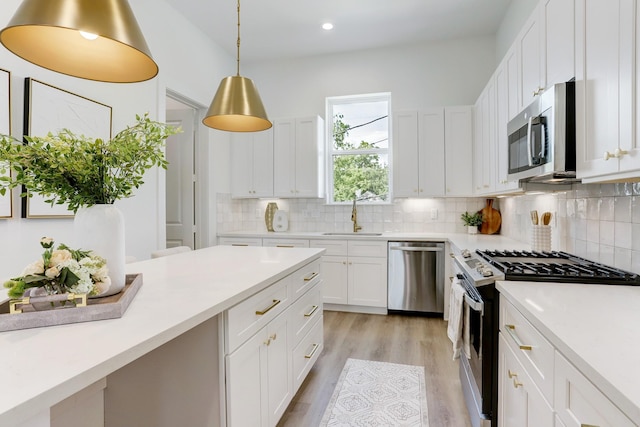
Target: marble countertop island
column 40, row 367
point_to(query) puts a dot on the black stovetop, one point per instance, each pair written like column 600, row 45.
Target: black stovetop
column 556, row 266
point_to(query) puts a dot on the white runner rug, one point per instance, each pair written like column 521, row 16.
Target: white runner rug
column 377, row 394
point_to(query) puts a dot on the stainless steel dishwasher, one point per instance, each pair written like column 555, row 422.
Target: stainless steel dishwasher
column 416, row 277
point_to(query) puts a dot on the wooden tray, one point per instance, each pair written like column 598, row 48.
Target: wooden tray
column 111, row 307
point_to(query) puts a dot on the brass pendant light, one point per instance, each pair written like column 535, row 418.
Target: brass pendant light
column 236, row 106
column 91, row 39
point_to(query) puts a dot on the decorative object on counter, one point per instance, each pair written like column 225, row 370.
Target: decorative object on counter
column 94, row 40
column 280, row 221
column 21, row 313
column 472, row 221
column 534, row 217
column 85, row 172
column 272, row 207
column 491, row 219
column 546, row 218
column 236, row 106
column 61, row 270
column 541, row 238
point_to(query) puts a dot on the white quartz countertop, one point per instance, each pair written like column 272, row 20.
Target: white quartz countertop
column 460, row 240
column 596, row 327
column 42, row 366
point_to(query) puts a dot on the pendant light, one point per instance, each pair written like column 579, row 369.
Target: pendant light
column 91, row 39
column 236, row 106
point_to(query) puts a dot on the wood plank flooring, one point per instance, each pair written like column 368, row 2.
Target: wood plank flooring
column 395, row 339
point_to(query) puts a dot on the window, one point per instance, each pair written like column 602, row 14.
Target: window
column 358, row 147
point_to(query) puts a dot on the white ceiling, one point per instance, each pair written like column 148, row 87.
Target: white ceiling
column 273, row 29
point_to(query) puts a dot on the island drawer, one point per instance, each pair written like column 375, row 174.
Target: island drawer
column 285, row 243
column 304, row 279
column 307, row 352
column 304, row 312
column 248, row 317
column 533, row 350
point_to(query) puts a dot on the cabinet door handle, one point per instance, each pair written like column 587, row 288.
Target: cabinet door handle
column 511, row 374
column 310, row 277
column 313, row 310
column 285, row 246
column 266, row 310
column 588, row 425
column 239, row 244
column 273, row 337
column 313, row 351
column 510, row 329
column 516, row 384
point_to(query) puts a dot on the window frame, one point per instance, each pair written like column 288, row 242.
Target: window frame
column 330, row 102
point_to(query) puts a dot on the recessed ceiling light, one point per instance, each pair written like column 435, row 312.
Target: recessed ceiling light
column 327, row 26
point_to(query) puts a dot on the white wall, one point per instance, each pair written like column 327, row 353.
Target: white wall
column 172, row 42
column 513, row 21
column 418, row 76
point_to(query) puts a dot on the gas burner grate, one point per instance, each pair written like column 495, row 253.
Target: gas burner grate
column 555, row 266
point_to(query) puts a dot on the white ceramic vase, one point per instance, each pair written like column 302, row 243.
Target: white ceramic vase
column 100, row 228
column 472, row 229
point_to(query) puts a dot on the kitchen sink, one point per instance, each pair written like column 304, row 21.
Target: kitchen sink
column 352, row 234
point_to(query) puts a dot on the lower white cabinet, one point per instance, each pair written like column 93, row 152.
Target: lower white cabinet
column 579, row 403
column 527, row 365
column 354, row 272
column 240, row 241
column 264, row 371
column 520, row 402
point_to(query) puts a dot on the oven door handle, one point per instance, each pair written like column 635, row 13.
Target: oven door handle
column 473, row 304
column 416, row 248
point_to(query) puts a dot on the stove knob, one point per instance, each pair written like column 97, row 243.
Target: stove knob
column 466, row 253
column 487, row 272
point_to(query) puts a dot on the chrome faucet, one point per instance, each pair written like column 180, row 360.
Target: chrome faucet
column 354, row 217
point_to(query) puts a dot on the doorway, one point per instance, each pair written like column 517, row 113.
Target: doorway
column 181, row 182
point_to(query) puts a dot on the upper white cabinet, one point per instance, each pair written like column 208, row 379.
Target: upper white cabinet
column 418, row 153
column 432, row 152
column 559, row 40
column 252, row 164
column 484, row 158
column 503, row 90
column 458, row 138
column 606, row 77
column 531, row 59
column 298, row 157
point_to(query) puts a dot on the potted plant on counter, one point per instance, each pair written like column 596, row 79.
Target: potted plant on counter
column 88, row 175
column 472, row 221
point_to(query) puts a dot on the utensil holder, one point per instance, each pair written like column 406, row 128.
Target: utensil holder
column 541, row 238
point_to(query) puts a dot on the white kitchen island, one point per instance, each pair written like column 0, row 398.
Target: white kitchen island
column 166, row 347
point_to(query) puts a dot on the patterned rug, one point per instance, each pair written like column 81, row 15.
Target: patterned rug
column 377, row 394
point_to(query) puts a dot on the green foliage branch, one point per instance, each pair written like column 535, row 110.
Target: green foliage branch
column 82, row 171
column 472, row 219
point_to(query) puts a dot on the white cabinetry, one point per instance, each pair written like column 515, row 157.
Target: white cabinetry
column 355, row 273
column 240, row 241
column 285, row 243
column 538, row 386
column 579, row 403
column 271, row 342
column 298, row 157
column 503, row 87
column 559, row 40
column 252, row 164
column 484, row 141
column 605, row 87
column 432, row 151
column 530, row 44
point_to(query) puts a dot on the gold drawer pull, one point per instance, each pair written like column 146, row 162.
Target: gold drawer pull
column 313, row 310
column 310, row 355
column 239, row 244
column 510, row 329
column 266, row 310
column 588, row 425
column 285, row 246
column 516, row 384
column 310, row 277
column 511, row 374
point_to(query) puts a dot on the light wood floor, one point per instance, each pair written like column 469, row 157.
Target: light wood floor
column 393, row 338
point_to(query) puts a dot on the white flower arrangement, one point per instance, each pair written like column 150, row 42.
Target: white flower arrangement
column 62, row 270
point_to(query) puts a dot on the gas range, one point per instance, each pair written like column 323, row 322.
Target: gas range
column 555, row 266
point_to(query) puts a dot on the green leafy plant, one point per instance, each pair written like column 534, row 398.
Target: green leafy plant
column 471, row 219
column 82, row 171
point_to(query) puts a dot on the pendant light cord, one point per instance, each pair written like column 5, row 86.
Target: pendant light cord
column 238, row 44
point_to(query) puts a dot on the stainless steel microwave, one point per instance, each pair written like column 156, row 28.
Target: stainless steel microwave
column 542, row 141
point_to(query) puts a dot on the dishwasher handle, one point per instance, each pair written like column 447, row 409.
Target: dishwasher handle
column 416, row 248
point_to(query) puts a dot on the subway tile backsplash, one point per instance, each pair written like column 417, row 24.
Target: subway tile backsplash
column 598, row 222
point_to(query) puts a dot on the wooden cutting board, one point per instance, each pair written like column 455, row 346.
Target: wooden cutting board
column 491, row 219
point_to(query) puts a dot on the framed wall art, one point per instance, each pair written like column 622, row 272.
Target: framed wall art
column 6, row 201
column 51, row 109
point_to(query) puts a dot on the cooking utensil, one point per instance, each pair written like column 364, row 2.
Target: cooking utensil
column 534, row 217
column 491, row 219
column 546, row 218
